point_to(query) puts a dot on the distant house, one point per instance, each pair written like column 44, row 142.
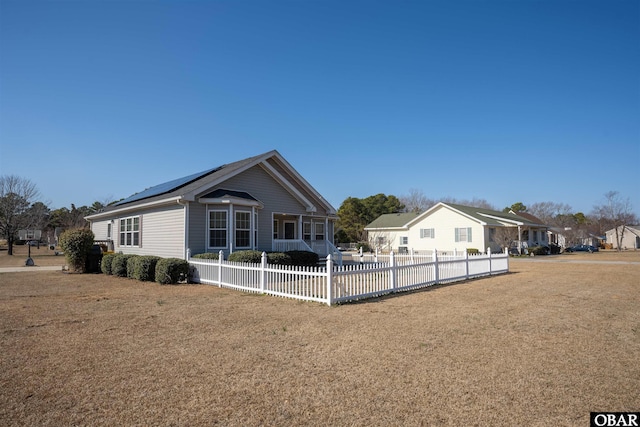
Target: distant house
column 630, row 237
column 449, row 227
column 259, row 203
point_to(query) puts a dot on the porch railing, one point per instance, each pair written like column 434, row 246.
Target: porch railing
column 321, row 247
column 285, row 245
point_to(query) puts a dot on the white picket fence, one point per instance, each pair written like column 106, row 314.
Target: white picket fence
column 332, row 284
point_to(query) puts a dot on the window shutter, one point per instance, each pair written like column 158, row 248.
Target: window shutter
column 469, row 234
column 457, row 235
column 140, row 231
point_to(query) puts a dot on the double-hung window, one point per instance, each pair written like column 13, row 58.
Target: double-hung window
column 217, row 229
column 243, row 229
column 463, row 234
column 404, row 240
column 306, row 231
column 130, row 231
column 319, row 226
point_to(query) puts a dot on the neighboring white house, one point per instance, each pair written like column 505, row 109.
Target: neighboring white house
column 259, row 203
column 630, row 237
column 448, row 227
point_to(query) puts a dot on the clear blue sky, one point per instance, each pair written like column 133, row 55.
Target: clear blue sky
column 507, row 101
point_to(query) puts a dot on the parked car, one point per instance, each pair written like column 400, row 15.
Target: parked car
column 581, row 248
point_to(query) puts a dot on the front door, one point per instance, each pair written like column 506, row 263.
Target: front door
column 289, row 230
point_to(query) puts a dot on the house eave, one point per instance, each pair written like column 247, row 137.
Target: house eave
column 134, row 207
column 403, row 228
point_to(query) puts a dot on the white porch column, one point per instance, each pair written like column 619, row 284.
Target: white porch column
column 519, row 240
column 230, row 226
column 326, row 230
column 299, row 230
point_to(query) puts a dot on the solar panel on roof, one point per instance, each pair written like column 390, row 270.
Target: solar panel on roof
column 165, row 187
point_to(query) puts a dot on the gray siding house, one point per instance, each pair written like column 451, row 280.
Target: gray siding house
column 259, row 203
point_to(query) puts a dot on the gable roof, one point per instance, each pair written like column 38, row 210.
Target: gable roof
column 483, row 216
column 186, row 184
column 491, row 217
column 189, row 187
column 530, row 217
column 393, row 220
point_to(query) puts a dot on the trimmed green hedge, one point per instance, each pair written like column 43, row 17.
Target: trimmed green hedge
column 473, row 251
column 77, row 244
column 304, row 258
column 107, row 260
column 538, row 250
column 119, row 264
column 206, row 255
column 131, row 265
column 279, row 258
column 171, row 270
column 144, row 268
column 254, row 257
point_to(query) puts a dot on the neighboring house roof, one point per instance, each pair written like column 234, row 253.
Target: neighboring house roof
column 532, row 218
column 189, row 187
column 484, row 216
column 394, row 220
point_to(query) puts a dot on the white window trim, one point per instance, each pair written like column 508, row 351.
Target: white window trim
column 132, row 231
column 226, row 212
column 236, row 229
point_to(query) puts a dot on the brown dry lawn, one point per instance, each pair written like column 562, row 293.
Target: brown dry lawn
column 543, row 345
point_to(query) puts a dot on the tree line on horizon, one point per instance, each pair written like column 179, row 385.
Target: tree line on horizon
column 21, row 208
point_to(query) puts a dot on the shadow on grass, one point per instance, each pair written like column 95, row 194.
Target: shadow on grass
column 392, row 295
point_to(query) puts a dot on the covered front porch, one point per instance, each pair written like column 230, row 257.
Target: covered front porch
column 304, row 233
column 529, row 236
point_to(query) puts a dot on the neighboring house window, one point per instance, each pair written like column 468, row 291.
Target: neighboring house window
column 381, row 241
column 404, row 240
column 275, row 229
column 109, row 231
column 492, row 234
column 319, row 231
column 218, row 229
column 306, row 231
column 463, row 234
column 427, row 233
column 130, row 231
column 243, row 229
